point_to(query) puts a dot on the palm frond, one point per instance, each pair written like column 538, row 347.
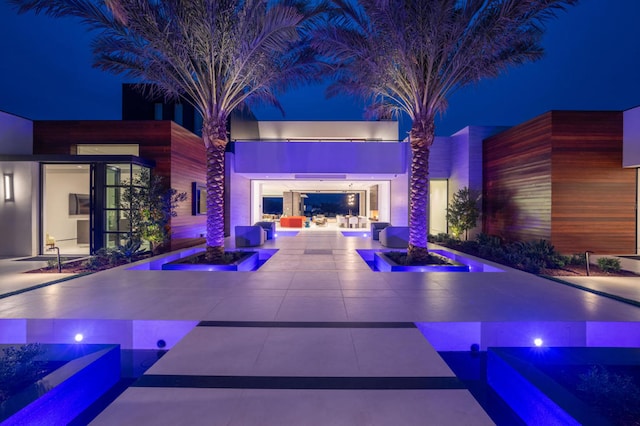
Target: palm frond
column 412, row 54
column 215, row 54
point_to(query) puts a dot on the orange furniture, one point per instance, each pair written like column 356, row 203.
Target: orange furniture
column 292, row 221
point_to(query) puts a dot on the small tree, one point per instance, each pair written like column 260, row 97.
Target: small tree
column 463, row 211
column 149, row 205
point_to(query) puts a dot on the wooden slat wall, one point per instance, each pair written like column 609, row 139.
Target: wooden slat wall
column 517, row 181
column 188, row 164
column 559, row 177
column 594, row 198
column 179, row 157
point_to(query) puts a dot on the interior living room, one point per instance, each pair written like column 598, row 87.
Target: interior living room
column 326, row 205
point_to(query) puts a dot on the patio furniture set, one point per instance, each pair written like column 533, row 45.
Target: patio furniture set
column 256, row 235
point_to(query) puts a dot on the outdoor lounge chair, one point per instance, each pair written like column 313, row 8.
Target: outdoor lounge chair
column 250, row 236
column 270, row 227
column 395, row 236
column 376, row 227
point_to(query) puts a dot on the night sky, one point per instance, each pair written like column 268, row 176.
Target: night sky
column 592, row 62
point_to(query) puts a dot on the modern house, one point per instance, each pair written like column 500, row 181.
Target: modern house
column 67, row 175
column 568, row 177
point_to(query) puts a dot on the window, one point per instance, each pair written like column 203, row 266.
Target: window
column 121, row 179
column 157, row 111
column 177, row 114
column 108, row 149
column 198, row 199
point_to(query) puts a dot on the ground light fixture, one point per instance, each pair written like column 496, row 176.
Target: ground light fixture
column 538, row 341
column 79, row 337
column 7, row 183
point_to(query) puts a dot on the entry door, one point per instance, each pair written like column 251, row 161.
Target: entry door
column 66, row 208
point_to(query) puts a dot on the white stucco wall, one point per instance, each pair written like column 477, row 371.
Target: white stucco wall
column 466, row 157
column 631, row 138
column 18, row 218
column 384, row 201
column 240, row 198
column 399, row 198
column 439, row 158
column 16, row 135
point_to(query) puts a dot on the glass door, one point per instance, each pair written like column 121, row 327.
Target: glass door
column 66, row 208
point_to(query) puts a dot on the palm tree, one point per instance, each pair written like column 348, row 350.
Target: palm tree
column 215, row 54
column 410, row 55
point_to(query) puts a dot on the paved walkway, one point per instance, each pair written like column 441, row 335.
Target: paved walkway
column 316, row 338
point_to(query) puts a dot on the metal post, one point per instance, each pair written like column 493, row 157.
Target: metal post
column 59, row 264
column 586, row 256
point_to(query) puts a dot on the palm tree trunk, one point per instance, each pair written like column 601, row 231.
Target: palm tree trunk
column 421, row 137
column 215, row 139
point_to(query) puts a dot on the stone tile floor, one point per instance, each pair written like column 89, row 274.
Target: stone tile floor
column 309, row 339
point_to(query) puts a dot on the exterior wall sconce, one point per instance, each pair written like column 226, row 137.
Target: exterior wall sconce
column 7, row 180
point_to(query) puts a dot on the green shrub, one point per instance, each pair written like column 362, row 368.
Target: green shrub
column 444, row 239
column 401, row 258
column 577, row 259
column 531, row 256
column 609, row 264
column 19, row 367
column 97, row 261
column 113, row 257
column 515, row 258
column 532, row 265
column 125, row 253
column 488, row 240
column 469, row 246
column 615, row 394
column 540, row 252
column 53, row 262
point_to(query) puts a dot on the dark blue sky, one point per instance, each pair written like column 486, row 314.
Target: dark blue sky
column 592, row 62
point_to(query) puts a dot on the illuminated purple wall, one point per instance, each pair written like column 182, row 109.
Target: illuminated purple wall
column 321, row 157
